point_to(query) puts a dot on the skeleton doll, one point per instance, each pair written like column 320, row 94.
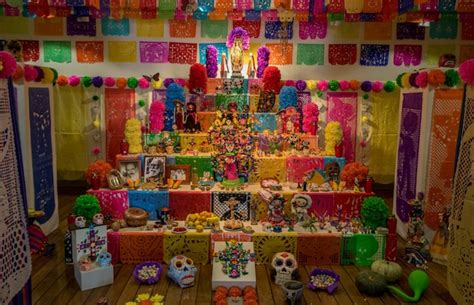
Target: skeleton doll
column 300, row 205
column 285, row 267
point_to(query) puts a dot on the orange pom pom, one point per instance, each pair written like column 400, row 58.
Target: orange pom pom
column 62, row 80
column 354, row 170
column 436, row 77
column 121, row 82
column 100, row 168
column 18, row 74
column 354, row 84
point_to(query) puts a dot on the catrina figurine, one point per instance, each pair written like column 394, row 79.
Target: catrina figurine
column 178, row 115
column 191, row 123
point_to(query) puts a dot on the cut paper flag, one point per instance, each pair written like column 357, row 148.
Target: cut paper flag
column 467, row 30
column 274, row 30
column 310, row 54
column 122, row 51
column 221, row 48
column 345, row 31
column 408, row 55
column 182, row 53
column 49, row 26
column 167, row 5
column 313, row 30
column 262, row 5
column 79, row 27
column 150, row 27
column 21, row 25
column 214, row 29
column 280, row 54
column 466, row 52
column 377, row 30
column 115, row 27
column 434, row 52
column 374, row 54
column 89, row 52
column 447, row 5
column 373, row 6
column 182, row 28
column 153, row 52
column 30, row 50
column 445, row 28
column 57, row 51
column 301, row 5
column 335, row 6
column 354, row 6
column 342, row 54
column 252, row 27
column 410, row 30
column 405, row 5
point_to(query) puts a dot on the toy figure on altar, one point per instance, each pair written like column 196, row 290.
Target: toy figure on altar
column 238, row 41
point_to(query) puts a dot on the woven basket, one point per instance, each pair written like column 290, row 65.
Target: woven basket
column 136, row 217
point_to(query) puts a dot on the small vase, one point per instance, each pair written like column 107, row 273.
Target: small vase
column 338, row 150
column 95, row 182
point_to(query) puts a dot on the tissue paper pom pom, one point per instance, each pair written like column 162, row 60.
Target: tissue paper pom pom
column 412, row 79
column 422, row 79
column 100, row 168
column 311, row 84
column 74, row 80
column 18, row 74
column 241, row 33
column 300, row 85
column 354, row 170
column 157, row 83
column 332, row 137
column 109, row 81
column 156, row 117
column 55, row 74
column 86, row 81
column 452, row 78
column 40, row 74
column 377, row 86
column 211, row 61
column 333, row 85
column 97, row 81
column 263, row 57
column 399, row 80
column 406, row 80
column 271, row 79
column 466, row 71
column 143, row 83
column 181, row 81
column 365, row 96
column 319, row 94
column 132, row 82
column 133, row 135
column 48, row 75
column 389, row 86
column 436, row 77
column 322, row 85
column 197, row 82
column 290, row 83
column 355, row 84
column 310, row 118
column 30, row 73
column 8, row 64
column 168, row 81
column 288, row 98
column 141, row 103
column 366, row 86
column 344, row 85
column 121, row 82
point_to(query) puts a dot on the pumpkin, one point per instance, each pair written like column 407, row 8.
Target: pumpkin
column 249, row 288
column 250, row 302
column 390, row 270
column 221, row 289
column 222, row 302
column 371, row 283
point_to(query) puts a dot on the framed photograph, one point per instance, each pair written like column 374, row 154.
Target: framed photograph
column 179, row 172
column 154, row 169
column 130, row 169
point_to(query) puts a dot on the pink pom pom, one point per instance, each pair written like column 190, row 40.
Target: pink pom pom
column 109, row 81
column 344, row 85
column 157, row 114
column 143, row 83
column 181, row 81
column 290, row 83
column 74, row 80
column 30, row 73
column 377, row 86
column 322, row 85
column 466, row 71
column 422, row 79
column 310, row 118
column 8, row 64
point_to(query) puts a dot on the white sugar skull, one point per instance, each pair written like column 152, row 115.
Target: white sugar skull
column 98, row 219
column 104, row 259
column 182, row 271
column 80, row 222
column 285, row 267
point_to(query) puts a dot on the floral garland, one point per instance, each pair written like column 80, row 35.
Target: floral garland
column 211, row 61
column 147, row 299
column 263, row 58
column 238, row 32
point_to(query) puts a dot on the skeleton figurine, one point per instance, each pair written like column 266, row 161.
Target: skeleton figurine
column 98, row 219
column 285, row 267
column 300, row 205
column 182, row 271
column 80, row 222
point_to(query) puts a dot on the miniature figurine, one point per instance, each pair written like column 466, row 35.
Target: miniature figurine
column 300, row 204
column 191, row 121
column 275, row 210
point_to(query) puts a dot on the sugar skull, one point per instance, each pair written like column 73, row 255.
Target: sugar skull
column 227, row 86
column 85, row 263
column 300, row 205
column 80, row 222
column 182, row 271
column 98, row 219
column 285, row 267
column 104, row 259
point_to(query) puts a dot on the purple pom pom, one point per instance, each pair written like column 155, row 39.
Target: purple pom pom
column 366, row 86
column 97, row 81
column 300, row 85
column 412, row 79
column 263, row 57
column 211, row 61
column 168, row 82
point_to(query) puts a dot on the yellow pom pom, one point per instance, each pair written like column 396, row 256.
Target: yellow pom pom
column 156, row 84
column 48, row 76
column 311, row 84
column 406, row 81
column 96, row 123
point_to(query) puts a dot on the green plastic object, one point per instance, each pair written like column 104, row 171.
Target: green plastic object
column 364, row 246
column 419, row 281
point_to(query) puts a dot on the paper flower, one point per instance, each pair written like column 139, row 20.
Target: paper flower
column 18, row 74
column 86, row 81
column 412, row 79
column 97, row 81
column 86, row 206
column 451, row 78
column 96, row 151
column 168, row 81
column 322, row 85
column 133, row 135
column 333, row 85
column 405, row 80
column 355, row 84
column 143, row 83
column 156, row 116
column 211, row 61
column 310, row 118
column 300, row 85
column 109, row 81
column 436, row 77
column 263, row 57
column 466, row 71
column 288, row 98
column 290, row 83
column 344, row 85
column 311, row 84
column 100, row 168
column 121, row 82
column 197, row 82
column 366, row 86
column 389, row 86
column 332, row 137
column 74, row 80
column 147, row 299
column 377, row 86
column 7, row 64
column 271, row 79
column 48, row 75
column 241, row 33
column 132, row 82
column 354, row 170
column 39, row 75
column 422, row 79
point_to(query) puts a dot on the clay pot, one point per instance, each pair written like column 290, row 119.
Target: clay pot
column 136, row 217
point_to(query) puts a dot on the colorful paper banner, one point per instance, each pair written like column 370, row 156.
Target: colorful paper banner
column 214, row 29
column 342, row 54
column 115, row 27
column 153, row 52
column 280, row 54
column 310, row 54
column 408, row 55
column 182, row 53
column 377, row 30
column 57, row 51
column 122, row 51
column 89, row 52
column 221, row 48
column 150, row 27
column 374, row 54
column 49, row 26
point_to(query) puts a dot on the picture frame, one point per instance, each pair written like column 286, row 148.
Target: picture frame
column 179, row 170
column 154, row 168
column 130, row 169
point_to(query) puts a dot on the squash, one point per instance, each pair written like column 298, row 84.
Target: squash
column 371, row 283
column 390, row 270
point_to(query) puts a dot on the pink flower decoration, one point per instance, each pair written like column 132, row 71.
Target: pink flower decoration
column 143, row 83
column 109, row 81
column 74, row 80
column 290, row 83
column 8, row 63
column 344, row 85
column 180, row 81
column 322, row 85
column 96, row 151
column 30, row 73
column 466, row 71
column 422, row 79
column 377, row 86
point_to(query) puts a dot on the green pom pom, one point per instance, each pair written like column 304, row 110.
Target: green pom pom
column 452, row 78
column 389, row 86
column 95, row 98
column 365, row 96
column 132, row 82
column 399, row 80
column 333, row 85
column 55, row 73
column 141, row 103
column 319, row 94
column 374, row 213
column 86, row 81
column 87, row 206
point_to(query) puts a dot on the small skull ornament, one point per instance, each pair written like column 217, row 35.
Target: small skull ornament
column 182, row 271
column 80, row 222
column 104, row 259
column 285, row 267
column 98, row 219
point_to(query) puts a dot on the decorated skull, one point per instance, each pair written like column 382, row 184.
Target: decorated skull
column 80, row 222
column 227, row 86
column 104, row 259
column 182, row 271
column 332, row 171
column 98, row 219
column 285, row 267
column 85, row 263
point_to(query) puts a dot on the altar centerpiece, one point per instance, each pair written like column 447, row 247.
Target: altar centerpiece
column 238, row 41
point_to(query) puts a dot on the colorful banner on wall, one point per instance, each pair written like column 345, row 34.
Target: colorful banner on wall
column 408, row 148
column 342, row 107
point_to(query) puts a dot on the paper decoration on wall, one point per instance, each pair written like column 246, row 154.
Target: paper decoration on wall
column 467, row 30
column 313, row 30
column 221, row 48
column 115, row 27
column 301, row 5
column 30, row 50
column 466, row 52
column 122, row 51
column 182, row 53
column 79, row 27
column 445, row 120
column 11, row 11
column 21, row 25
column 354, row 6
column 57, row 51
column 373, row 6
column 89, row 52
column 217, row 14
column 405, row 5
column 275, row 30
column 342, row 107
column 49, row 26
column 345, row 31
column 262, row 5
column 280, row 54
column 429, row 6
column 182, row 28
column 153, row 52
column 408, row 55
column 465, row 6
column 265, row 121
column 119, row 106
column 15, row 259
column 374, row 54
column 447, row 5
column 253, row 49
column 342, row 54
column 408, row 148
column 434, row 52
column 335, row 6
column 410, row 30
column 252, row 27
column 214, row 28
column 377, row 30
column 75, row 2
column 243, row 4
column 150, row 27
column 445, row 28
column 310, row 54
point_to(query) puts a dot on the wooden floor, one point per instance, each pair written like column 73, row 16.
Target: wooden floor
column 53, row 282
